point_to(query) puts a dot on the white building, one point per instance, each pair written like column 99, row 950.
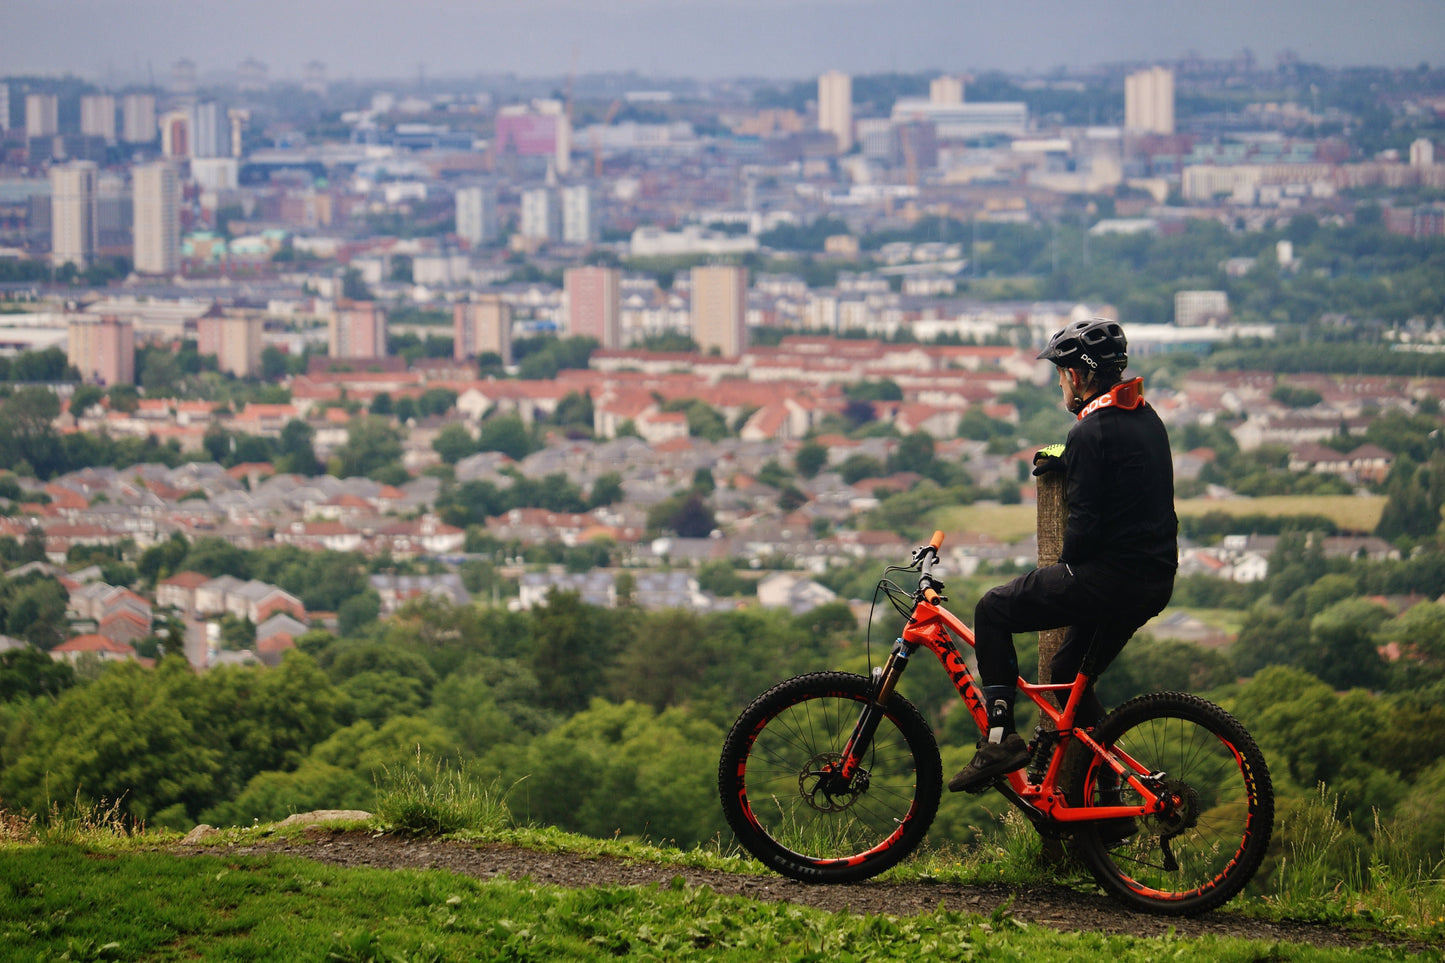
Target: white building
column 157, row 200
column 138, row 118
column 72, row 214
column 42, row 115
column 946, row 91
column 692, row 239
column 97, row 116
column 1422, row 153
column 962, row 121
column 477, row 215
column 541, row 218
column 1195, row 308
column 835, row 108
column 1149, row 101
column 579, row 215
column 210, row 131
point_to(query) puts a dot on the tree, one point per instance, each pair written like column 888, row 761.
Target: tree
column 273, row 363
column 1341, row 648
column 49, row 365
column 1419, row 635
column 30, row 673
column 568, row 640
column 353, row 287
column 914, row 454
column 453, row 443
column 160, row 373
column 216, row 557
column 84, row 398
column 27, row 436
column 686, row 514
column 123, row 398
column 810, row 459
column 35, row 611
column 858, row 467
column 506, row 434
column 357, row 612
column 606, row 490
column 436, row 401
column 575, row 412
column 294, row 451
column 372, row 443
column 131, row 737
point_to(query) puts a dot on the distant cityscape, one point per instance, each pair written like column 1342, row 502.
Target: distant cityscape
column 752, row 246
column 259, row 198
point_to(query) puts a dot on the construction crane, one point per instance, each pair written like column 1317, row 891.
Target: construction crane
column 597, row 137
column 910, row 155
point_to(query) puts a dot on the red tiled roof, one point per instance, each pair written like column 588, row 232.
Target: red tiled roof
column 187, row 579
column 94, row 643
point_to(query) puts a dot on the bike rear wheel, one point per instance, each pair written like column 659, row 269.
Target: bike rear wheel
column 773, row 779
column 1208, row 842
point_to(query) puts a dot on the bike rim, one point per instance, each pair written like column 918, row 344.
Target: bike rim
column 1191, row 847
column 785, row 763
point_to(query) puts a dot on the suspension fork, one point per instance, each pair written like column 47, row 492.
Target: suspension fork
column 885, row 679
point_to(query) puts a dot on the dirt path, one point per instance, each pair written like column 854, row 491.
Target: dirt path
column 1053, row 906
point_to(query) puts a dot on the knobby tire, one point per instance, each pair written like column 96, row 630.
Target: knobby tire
column 770, row 773
column 1218, row 831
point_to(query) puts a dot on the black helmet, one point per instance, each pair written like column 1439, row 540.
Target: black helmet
column 1092, row 344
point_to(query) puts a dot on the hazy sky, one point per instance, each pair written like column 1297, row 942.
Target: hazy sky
column 110, row 39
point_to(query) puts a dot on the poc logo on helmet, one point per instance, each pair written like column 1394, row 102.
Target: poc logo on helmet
column 1089, row 360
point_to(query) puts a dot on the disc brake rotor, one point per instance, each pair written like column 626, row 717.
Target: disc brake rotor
column 824, row 790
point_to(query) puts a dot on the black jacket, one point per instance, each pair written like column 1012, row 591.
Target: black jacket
column 1120, row 486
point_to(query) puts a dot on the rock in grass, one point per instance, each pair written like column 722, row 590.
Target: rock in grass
column 325, row 816
column 198, row 834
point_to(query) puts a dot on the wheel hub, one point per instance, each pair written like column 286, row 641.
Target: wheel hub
column 824, row 789
column 1181, row 809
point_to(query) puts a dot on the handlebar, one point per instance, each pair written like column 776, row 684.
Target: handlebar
column 928, row 557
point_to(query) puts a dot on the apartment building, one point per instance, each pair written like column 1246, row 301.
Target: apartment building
column 594, row 306
column 477, row 215
column 102, row 349
column 835, row 108
column 235, row 341
column 138, row 118
column 156, row 198
column 357, row 330
column 482, row 325
column 72, row 214
column 1149, row 101
column 719, row 308
column 97, row 116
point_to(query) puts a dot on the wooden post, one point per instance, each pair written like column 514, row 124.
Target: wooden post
column 1053, row 513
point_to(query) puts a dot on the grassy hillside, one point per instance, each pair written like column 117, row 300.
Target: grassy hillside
column 122, row 903
column 81, row 885
column 1009, row 523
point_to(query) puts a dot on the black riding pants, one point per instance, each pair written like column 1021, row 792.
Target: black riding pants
column 1102, row 604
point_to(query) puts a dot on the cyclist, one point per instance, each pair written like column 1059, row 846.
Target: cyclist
column 1120, row 552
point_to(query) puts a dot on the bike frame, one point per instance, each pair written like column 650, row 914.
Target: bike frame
column 934, row 627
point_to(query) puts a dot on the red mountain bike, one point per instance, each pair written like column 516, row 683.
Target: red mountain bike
column 833, row 777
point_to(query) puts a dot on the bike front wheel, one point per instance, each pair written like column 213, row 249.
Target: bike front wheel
column 1209, row 840
column 781, row 800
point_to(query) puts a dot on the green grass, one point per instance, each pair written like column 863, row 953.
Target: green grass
column 1010, row 523
column 81, row 883
column 65, row 902
column 427, row 798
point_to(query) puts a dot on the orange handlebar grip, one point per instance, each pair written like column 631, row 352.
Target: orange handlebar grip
column 930, row 596
column 937, row 539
